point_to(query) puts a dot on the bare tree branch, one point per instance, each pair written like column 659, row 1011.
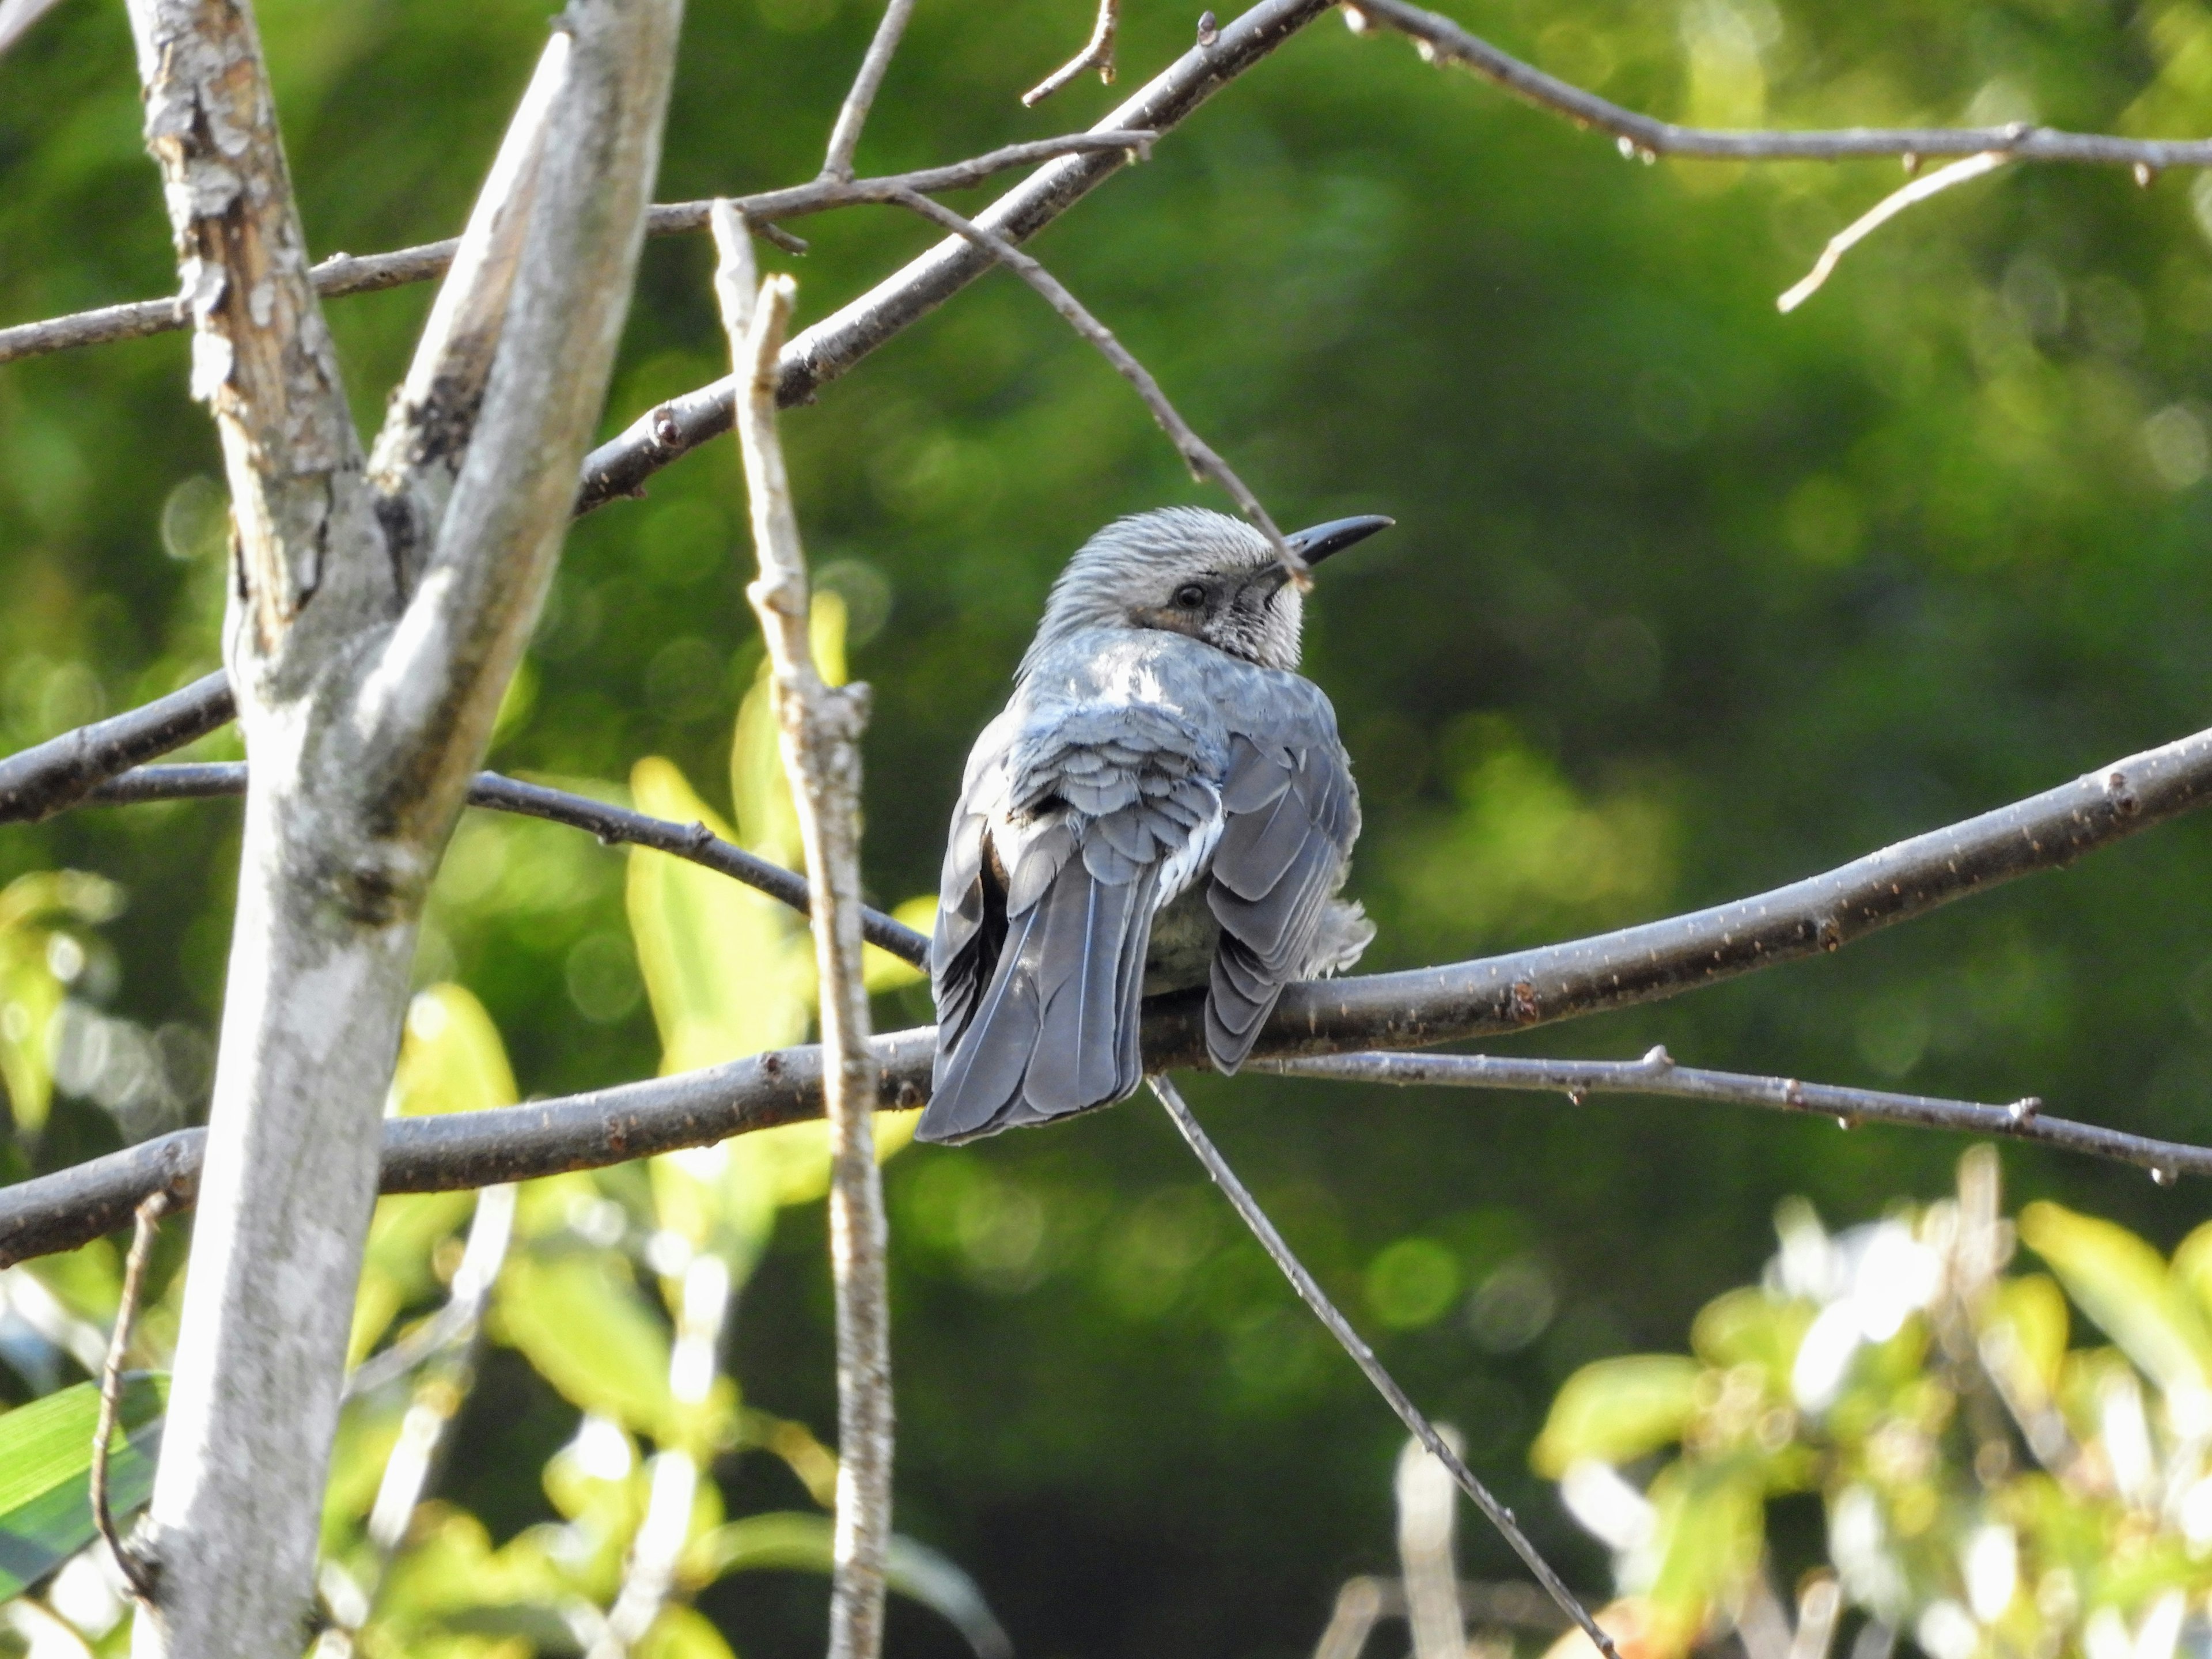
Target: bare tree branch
column 820, row 725
column 41, row 781
column 852, row 114
column 1640, row 136
column 345, row 274
column 1097, row 53
column 71, row 1208
column 820, row 353
column 1657, row 1074
column 1880, row 213
column 1416, row 1421
column 615, row 825
column 1205, row 465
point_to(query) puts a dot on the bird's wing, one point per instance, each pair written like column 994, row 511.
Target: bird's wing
column 1040, row 950
column 1291, row 815
column 971, row 911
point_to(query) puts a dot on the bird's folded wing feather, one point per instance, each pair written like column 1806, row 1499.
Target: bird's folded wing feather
column 1291, row 815
column 1068, row 836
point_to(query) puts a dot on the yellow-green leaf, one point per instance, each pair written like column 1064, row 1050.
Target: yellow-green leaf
column 46, row 1458
column 451, row 1059
column 1613, row 1410
column 729, row 971
column 2122, row 1283
column 591, row 1336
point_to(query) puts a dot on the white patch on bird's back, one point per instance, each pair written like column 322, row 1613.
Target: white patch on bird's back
column 1190, row 860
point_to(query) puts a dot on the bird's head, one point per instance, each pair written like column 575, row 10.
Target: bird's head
column 1190, row 571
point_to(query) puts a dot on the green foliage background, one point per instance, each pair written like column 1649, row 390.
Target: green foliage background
column 1685, row 598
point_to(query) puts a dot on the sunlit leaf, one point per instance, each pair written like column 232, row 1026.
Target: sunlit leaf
column 728, row 970
column 795, row 1541
column 1747, row 1327
column 1710, row 1527
column 45, row 1459
column 682, row 1633
column 1613, row 1410
column 451, row 1059
column 2123, row 1284
column 2030, row 1311
column 590, row 1333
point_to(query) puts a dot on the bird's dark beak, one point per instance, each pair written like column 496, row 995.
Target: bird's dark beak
column 1324, row 540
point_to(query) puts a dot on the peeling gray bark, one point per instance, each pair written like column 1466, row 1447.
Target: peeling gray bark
column 372, row 626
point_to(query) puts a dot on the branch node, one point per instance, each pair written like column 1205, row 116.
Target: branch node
column 2024, row 1110
column 2145, row 174
column 1656, row 1059
column 1209, row 31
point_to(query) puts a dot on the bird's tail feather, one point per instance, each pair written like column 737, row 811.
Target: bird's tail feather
column 1055, row 1032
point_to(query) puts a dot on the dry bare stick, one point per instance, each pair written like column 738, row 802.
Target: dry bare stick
column 344, row 274
column 1205, row 465
column 147, row 1229
column 852, row 114
column 1642, row 138
column 367, row 683
column 1417, row 1422
column 1919, row 189
column 1097, row 53
column 818, row 726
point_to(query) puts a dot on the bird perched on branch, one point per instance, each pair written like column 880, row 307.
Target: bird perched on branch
column 1163, row 803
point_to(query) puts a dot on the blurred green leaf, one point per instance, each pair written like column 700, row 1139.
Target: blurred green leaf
column 46, row 1459
column 1747, row 1327
column 796, row 1541
column 590, row 1333
column 451, row 1058
column 1613, row 1410
column 2123, row 1284
column 684, row 1632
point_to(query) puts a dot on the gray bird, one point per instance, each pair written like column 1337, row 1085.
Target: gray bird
column 1163, row 804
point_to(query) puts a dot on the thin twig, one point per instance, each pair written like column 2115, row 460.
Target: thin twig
column 819, row 727
column 1097, row 53
column 1919, row 189
column 345, row 274
column 1643, row 138
column 852, row 114
column 41, row 781
column 1657, row 1074
column 1310, row 1292
column 1205, row 465
column 148, row 1227
column 618, row 826
column 827, row 350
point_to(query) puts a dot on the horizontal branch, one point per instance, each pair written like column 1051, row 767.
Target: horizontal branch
column 1657, row 1074
column 343, row 274
column 1441, row 38
column 1410, row 1010
column 618, row 826
column 48, row 777
column 1425, row 1007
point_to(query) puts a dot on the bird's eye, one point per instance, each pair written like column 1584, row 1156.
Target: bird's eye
column 1190, row 596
